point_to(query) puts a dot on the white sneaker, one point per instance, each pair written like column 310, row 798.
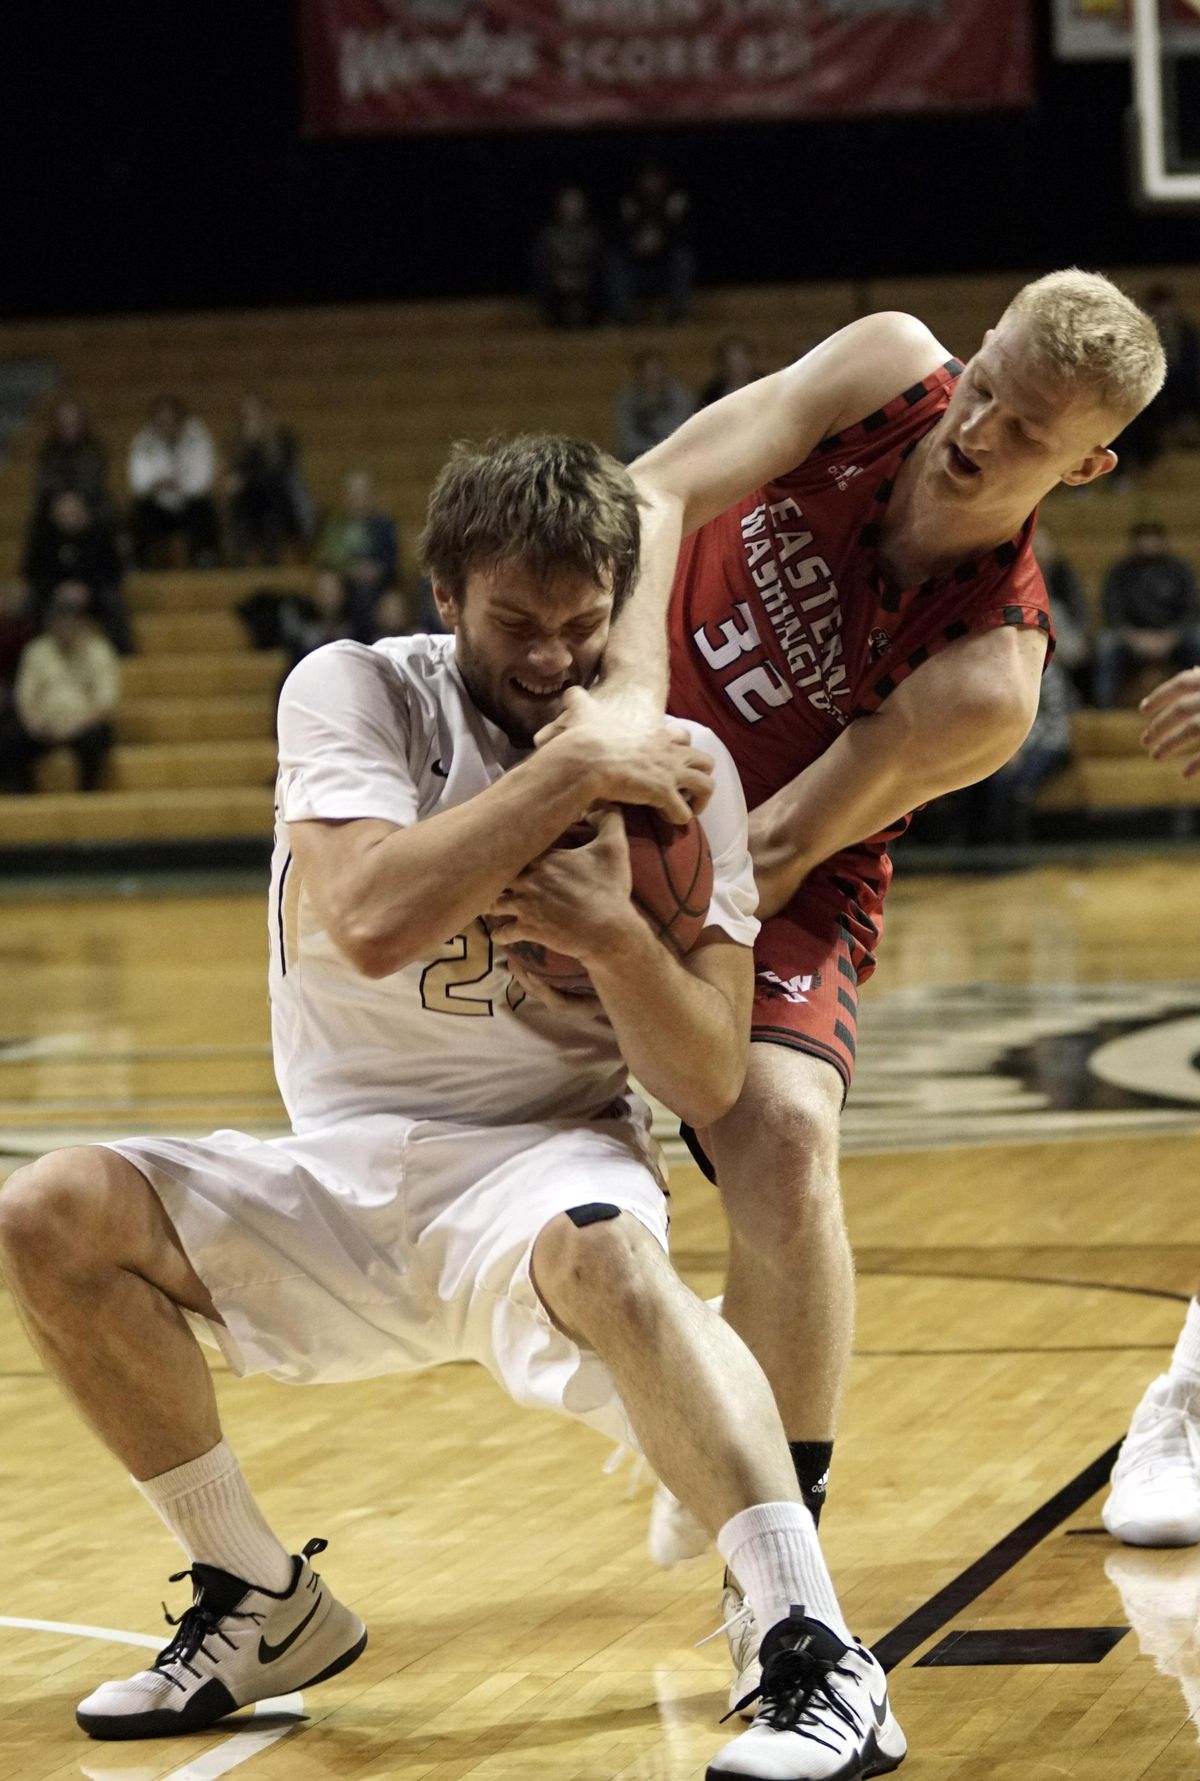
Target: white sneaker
column 745, row 1637
column 235, row 1644
column 1155, row 1499
column 823, row 1712
column 674, row 1534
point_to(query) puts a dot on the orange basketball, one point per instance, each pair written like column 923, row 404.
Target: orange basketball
column 672, row 887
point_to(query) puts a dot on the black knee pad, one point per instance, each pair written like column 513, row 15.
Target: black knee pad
column 595, row 1213
column 699, row 1155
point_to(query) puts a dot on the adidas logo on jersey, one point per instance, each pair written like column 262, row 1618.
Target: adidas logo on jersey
column 844, row 474
column 791, row 989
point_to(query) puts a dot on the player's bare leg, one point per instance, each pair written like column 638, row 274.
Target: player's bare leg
column 704, row 1414
column 99, row 1277
column 101, row 1282
column 702, row 1410
column 790, row 1292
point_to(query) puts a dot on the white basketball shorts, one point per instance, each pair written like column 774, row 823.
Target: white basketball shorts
column 385, row 1245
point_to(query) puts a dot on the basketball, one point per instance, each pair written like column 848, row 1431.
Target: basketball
column 672, row 885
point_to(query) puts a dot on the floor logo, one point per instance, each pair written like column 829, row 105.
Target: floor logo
column 1017, row 1063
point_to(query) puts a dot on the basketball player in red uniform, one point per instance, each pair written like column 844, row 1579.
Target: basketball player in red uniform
column 856, row 611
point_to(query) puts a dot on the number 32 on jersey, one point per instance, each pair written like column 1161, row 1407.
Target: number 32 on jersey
column 737, row 636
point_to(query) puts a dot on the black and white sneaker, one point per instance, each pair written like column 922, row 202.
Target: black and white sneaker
column 235, row 1644
column 823, row 1712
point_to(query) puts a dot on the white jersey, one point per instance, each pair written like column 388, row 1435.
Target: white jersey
column 390, row 732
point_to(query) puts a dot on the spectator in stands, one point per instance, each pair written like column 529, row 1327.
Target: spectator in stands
column 1180, row 394
column 651, row 405
column 305, row 624
column 68, row 542
column 651, row 257
column 360, row 543
column 68, row 682
column 734, row 366
column 172, row 473
column 72, row 460
column 1151, row 610
column 393, row 616
column 1068, row 611
column 16, row 630
column 1003, row 804
column 1176, row 408
column 268, row 502
column 566, row 263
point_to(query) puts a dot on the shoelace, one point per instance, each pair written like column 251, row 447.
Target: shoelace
column 737, row 1620
column 795, row 1690
column 1158, row 1444
column 196, row 1624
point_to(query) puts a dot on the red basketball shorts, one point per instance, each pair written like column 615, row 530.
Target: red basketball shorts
column 809, row 961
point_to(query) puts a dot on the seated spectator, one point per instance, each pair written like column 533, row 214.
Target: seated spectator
column 651, row 406
column 393, row 616
column 1176, row 408
column 734, row 366
column 650, row 257
column 1068, row 611
column 1002, row 805
column 72, row 460
column 66, row 693
column 268, row 502
column 67, row 542
column 360, row 543
column 566, row 263
column 172, row 472
column 1180, row 394
column 306, row 623
column 16, row 630
column 1151, row 610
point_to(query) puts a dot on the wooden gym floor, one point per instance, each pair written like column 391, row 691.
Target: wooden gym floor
column 1021, row 1163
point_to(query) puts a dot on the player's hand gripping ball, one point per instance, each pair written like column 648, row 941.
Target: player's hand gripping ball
column 672, row 875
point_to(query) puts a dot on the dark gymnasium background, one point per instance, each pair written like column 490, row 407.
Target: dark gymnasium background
column 153, row 156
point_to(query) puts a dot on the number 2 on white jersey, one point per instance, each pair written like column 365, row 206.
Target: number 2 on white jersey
column 466, row 960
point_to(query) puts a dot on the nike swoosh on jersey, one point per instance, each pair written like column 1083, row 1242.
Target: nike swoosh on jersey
column 437, row 767
column 267, row 1654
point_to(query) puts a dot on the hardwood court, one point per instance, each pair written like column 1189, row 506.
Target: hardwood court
column 1021, row 1165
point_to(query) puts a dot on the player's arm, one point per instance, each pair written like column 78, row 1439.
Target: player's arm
column 1172, row 713
column 388, row 894
column 733, row 447
column 683, row 1026
column 389, row 888
column 951, row 722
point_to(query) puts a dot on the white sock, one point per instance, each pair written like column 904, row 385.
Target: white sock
column 1185, row 1362
column 208, row 1507
column 774, row 1553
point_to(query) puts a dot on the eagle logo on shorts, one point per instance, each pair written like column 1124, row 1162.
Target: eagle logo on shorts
column 790, row 989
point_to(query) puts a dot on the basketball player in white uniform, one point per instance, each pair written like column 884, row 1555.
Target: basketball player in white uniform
column 468, row 1175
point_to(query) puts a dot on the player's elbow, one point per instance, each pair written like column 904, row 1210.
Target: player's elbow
column 713, row 1091
column 374, row 951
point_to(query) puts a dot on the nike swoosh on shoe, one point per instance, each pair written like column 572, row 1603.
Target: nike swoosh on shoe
column 267, row 1654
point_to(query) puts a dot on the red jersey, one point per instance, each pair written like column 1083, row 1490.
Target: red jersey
column 784, row 627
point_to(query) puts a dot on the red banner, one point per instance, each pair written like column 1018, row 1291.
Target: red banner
column 394, row 66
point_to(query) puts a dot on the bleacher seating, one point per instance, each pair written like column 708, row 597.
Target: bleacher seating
column 386, row 388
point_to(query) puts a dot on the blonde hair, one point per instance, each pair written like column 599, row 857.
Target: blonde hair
column 1086, row 330
column 544, row 500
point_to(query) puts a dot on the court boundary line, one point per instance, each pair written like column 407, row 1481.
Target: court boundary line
column 961, row 1591
column 236, row 1748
